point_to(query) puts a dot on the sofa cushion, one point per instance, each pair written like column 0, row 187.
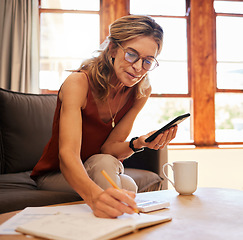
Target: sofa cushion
column 25, row 128
column 21, row 181
column 12, row 200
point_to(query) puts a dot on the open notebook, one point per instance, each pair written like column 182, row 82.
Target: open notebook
column 87, row 226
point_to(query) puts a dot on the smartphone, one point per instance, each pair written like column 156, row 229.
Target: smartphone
column 174, row 122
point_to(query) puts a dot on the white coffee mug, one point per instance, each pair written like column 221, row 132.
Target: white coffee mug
column 185, row 176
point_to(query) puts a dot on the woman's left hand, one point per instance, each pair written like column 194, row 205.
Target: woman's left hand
column 162, row 139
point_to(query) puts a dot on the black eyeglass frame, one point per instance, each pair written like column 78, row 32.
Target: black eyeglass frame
column 138, row 57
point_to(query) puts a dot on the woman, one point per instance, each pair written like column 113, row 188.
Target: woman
column 95, row 111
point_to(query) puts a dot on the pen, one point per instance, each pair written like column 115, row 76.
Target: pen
column 108, row 178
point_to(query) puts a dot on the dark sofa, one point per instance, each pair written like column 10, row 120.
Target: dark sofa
column 25, row 128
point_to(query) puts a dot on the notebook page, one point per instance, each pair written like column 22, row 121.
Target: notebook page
column 85, row 225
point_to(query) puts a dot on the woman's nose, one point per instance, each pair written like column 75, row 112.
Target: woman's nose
column 138, row 65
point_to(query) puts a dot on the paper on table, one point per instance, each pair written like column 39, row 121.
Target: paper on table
column 31, row 213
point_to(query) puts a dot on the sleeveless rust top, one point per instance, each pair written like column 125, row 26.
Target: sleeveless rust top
column 94, row 134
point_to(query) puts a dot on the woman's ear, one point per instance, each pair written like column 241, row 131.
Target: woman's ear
column 112, row 49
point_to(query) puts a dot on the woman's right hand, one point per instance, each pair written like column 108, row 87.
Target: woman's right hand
column 112, row 203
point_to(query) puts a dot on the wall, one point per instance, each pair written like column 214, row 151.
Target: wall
column 216, row 167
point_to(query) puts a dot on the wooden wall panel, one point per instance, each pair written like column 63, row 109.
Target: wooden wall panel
column 202, row 18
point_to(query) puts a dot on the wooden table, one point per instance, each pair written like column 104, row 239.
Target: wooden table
column 211, row 213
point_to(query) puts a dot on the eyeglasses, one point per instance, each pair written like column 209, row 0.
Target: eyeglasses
column 132, row 56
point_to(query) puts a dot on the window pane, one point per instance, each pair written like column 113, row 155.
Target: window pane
column 230, row 75
column 64, row 47
column 158, row 112
column 172, row 74
column 175, row 38
column 229, row 53
column 228, row 7
column 169, row 77
column 229, row 38
column 93, row 5
column 229, row 117
column 158, row 7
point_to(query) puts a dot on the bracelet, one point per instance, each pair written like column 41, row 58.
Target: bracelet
column 132, row 146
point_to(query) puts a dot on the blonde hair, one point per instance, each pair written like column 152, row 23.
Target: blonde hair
column 100, row 69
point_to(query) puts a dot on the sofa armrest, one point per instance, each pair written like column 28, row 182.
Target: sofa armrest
column 149, row 159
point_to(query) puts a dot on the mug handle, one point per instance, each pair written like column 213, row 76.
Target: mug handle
column 163, row 169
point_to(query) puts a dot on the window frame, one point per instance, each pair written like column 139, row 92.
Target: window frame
column 202, row 71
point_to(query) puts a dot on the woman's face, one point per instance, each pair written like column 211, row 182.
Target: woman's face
column 131, row 73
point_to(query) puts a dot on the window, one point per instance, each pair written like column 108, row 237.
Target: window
column 229, row 69
column 201, row 69
column 170, row 86
column 69, row 33
column 201, row 63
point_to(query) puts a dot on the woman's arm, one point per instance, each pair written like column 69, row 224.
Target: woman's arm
column 109, row 203
column 115, row 143
column 73, row 96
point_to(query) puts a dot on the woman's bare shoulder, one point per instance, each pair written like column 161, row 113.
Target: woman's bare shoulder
column 76, row 79
column 75, row 87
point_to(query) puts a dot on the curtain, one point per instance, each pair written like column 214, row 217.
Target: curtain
column 19, row 44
